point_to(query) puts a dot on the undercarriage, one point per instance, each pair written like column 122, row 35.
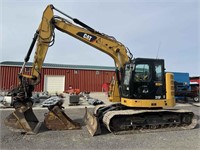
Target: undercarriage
column 120, row 119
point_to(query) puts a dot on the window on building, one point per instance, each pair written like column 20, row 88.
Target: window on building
column 75, row 71
column 97, row 72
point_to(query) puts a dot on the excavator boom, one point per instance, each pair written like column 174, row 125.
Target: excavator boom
column 23, row 119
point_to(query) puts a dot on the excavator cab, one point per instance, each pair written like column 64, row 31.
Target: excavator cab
column 144, row 83
column 143, row 79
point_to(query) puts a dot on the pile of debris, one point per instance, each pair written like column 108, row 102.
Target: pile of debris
column 92, row 101
column 52, row 101
column 44, row 99
column 5, row 100
column 75, row 99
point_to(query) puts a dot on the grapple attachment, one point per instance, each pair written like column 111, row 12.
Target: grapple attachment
column 56, row 119
column 92, row 123
column 23, row 121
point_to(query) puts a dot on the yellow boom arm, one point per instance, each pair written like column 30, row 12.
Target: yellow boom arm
column 45, row 38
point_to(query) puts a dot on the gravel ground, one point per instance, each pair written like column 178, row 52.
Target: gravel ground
column 81, row 139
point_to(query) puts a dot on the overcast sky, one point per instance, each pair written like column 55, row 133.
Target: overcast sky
column 144, row 26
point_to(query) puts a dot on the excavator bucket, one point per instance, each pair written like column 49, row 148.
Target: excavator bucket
column 92, row 123
column 24, row 122
column 56, row 119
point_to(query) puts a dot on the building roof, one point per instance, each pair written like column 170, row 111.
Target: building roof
column 195, row 77
column 60, row 66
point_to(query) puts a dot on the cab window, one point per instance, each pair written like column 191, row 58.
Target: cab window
column 142, row 73
column 158, row 69
column 128, row 73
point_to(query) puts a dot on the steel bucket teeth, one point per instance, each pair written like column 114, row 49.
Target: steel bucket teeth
column 92, row 123
column 23, row 122
column 56, row 119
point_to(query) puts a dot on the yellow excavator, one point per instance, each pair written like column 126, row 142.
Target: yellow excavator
column 142, row 92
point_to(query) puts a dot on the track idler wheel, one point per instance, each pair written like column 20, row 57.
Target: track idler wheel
column 56, row 119
column 23, row 119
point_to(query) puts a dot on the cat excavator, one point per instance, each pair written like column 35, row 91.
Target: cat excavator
column 142, row 92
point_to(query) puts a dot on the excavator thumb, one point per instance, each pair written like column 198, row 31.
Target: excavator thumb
column 23, row 120
column 56, row 119
column 92, row 123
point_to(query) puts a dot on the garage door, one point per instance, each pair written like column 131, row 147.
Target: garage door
column 54, row 84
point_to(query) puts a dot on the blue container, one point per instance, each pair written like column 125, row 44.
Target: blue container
column 182, row 77
column 182, row 84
